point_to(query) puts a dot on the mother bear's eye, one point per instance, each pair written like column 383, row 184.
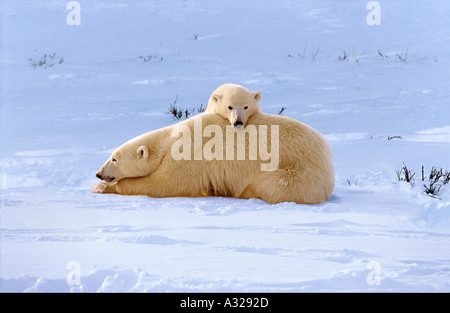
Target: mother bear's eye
column 114, row 160
column 230, row 108
column 246, row 107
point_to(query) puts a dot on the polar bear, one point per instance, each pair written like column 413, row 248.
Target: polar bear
column 173, row 161
column 235, row 103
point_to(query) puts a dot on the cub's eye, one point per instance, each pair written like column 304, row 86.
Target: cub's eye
column 114, row 160
column 246, row 107
column 230, row 108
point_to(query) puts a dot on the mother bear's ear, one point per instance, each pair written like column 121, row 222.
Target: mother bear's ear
column 142, row 152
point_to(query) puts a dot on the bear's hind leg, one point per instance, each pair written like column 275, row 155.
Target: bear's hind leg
column 250, row 192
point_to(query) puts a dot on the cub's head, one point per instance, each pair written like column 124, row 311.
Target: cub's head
column 234, row 103
column 132, row 159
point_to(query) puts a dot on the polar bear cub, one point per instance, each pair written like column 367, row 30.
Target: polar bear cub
column 234, row 103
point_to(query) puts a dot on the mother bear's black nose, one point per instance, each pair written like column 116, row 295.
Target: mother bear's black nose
column 238, row 124
column 98, row 176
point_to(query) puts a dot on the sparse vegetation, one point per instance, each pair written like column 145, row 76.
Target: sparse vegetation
column 201, row 109
column 179, row 113
column 281, row 110
column 436, row 179
column 373, row 137
column 313, row 53
column 46, row 61
column 344, row 57
column 349, row 182
column 176, row 112
column 394, row 137
column 403, row 56
column 353, row 56
column 383, row 55
column 406, row 175
column 148, row 58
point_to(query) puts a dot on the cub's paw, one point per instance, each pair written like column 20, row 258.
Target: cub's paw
column 104, row 187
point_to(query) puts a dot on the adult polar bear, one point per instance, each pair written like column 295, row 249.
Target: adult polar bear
column 146, row 165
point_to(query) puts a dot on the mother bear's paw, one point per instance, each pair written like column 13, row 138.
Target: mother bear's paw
column 104, row 187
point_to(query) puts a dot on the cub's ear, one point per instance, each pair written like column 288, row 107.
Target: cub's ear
column 256, row 95
column 142, row 152
column 216, row 97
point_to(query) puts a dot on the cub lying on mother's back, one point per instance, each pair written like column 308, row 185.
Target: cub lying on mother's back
column 145, row 165
column 234, row 103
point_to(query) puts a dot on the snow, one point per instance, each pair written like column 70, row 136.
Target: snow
column 384, row 106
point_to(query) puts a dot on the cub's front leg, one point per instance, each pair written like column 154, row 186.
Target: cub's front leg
column 104, row 187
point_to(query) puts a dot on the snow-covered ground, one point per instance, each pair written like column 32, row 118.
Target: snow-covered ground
column 380, row 94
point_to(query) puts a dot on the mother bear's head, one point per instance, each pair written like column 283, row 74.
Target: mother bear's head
column 138, row 157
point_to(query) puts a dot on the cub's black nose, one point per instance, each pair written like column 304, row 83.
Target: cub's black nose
column 238, row 124
column 98, row 176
